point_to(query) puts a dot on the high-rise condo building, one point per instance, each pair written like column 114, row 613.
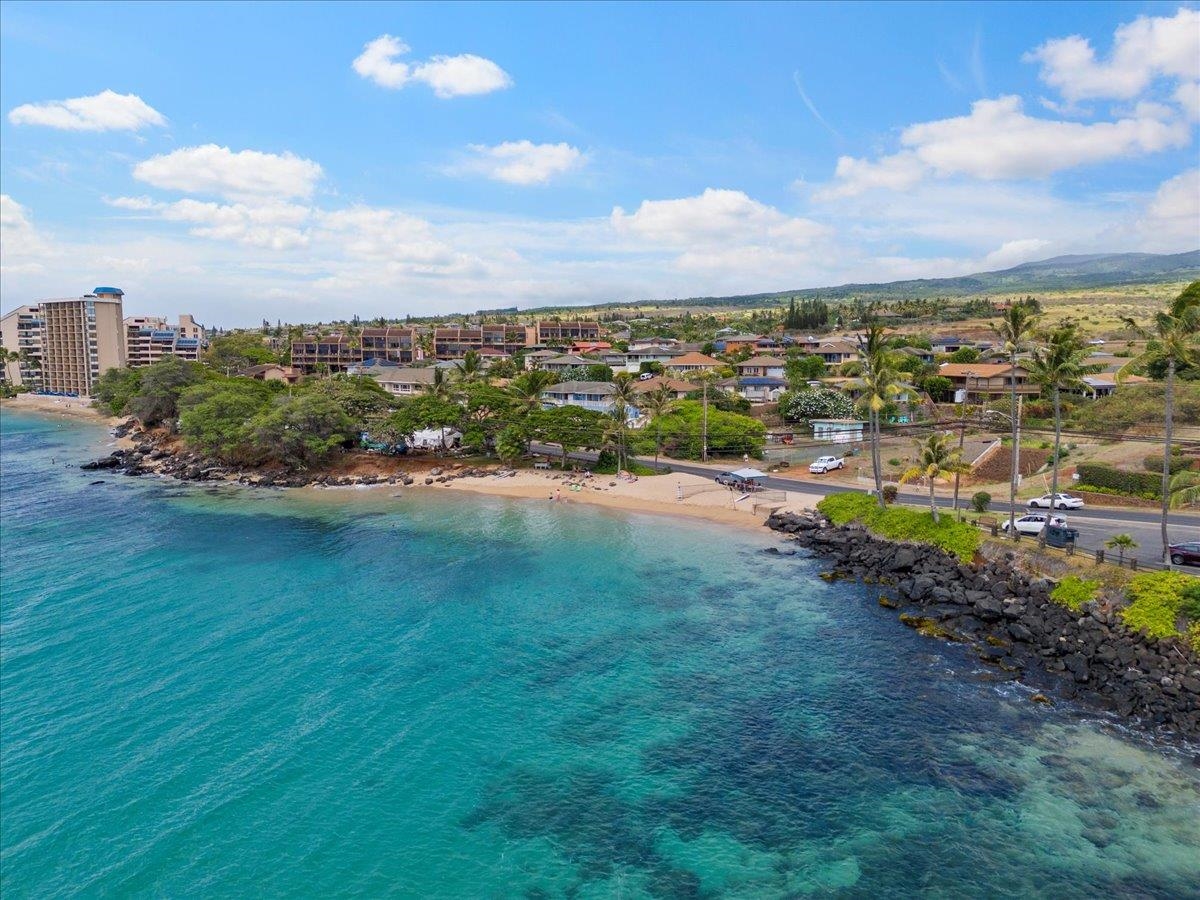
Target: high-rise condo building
column 149, row 338
column 81, row 338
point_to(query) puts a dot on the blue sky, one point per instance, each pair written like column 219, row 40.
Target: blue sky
column 310, row 162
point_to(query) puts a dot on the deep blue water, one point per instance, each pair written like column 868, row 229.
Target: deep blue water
column 233, row 693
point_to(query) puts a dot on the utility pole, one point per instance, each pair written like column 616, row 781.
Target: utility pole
column 704, row 427
column 962, row 434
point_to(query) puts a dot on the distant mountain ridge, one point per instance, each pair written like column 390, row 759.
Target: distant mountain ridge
column 1058, row 273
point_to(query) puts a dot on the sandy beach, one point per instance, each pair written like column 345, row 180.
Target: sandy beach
column 66, row 407
column 701, row 497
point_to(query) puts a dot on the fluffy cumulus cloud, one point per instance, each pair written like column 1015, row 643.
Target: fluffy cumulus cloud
column 106, row 111
column 1172, row 218
column 1143, row 50
column 23, row 244
column 521, row 162
column 210, row 169
column 449, row 76
column 998, row 140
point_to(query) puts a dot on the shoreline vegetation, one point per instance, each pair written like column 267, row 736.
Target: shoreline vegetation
column 657, row 495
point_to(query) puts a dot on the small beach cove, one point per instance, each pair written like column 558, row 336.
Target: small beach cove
column 448, row 694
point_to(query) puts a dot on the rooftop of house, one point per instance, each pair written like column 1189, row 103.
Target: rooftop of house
column 568, row 359
column 979, row 369
column 692, row 358
column 405, row 375
column 762, row 362
column 672, row 384
column 580, row 387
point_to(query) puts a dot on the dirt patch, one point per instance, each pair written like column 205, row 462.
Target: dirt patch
column 996, row 468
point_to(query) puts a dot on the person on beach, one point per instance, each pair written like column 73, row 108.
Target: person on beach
column 557, row 495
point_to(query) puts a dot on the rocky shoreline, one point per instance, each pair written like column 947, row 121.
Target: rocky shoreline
column 147, row 456
column 1009, row 620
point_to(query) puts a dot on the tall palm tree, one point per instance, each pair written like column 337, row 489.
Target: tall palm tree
column 624, row 397
column 880, row 385
column 657, row 403
column 1173, row 342
column 936, row 458
column 527, row 388
column 1060, row 365
column 1014, row 329
column 440, row 386
column 471, row 367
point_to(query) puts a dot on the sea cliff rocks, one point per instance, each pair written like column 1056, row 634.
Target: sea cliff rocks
column 1011, row 623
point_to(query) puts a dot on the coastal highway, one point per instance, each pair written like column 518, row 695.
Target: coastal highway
column 1095, row 525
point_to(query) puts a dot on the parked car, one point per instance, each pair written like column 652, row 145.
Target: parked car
column 1034, row 523
column 1058, row 501
column 1186, row 554
column 730, row 478
column 824, row 463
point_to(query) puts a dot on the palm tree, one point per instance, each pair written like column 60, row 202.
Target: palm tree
column 440, row 386
column 657, row 403
column 1184, row 488
column 1121, row 543
column 1059, row 366
column 703, row 377
column 527, row 388
column 1173, row 343
column 936, row 458
column 471, row 367
column 624, row 396
column 1013, row 329
column 880, row 384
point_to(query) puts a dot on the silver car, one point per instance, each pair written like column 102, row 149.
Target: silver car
column 1034, row 523
column 1057, row 501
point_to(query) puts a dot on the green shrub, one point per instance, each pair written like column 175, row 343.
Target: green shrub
column 1189, row 603
column 894, row 461
column 1179, row 462
column 980, row 501
column 899, row 523
column 1156, row 601
column 890, row 493
column 1137, row 484
column 1073, row 591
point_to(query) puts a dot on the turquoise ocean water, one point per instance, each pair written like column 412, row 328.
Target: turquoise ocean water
column 218, row 692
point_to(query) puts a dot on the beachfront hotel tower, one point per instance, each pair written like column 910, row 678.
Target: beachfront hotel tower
column 81, row 337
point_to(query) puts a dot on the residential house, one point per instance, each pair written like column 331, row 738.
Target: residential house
column 761, row 366
column 950, row 343
column 560, row 364
column 644, row 343
column 986, row 379
column 273, row 372
column 694, row 362
column 533, row 359
column 1104, row 383
column 758, row 388
column 736, row 343
column 679, row 388
column 663, row 355
column 403, row 381
column 585, row 347
column 595, row 395
column 836, row 352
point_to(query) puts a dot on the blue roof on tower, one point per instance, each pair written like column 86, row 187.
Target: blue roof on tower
column 108, row 290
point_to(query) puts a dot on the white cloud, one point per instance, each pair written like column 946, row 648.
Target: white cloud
column 383, row 234
column 1144, row 49
column 24, row 248
column 210, row 169
column 1013, row 253
column 714, row 217
column 449, row 76
column 997, row 140
column 1172, row 218
column 272, row 226
column 521, row 162
column 856, row 176
column 106, row 111
column 131, row 203
column 1187, row 95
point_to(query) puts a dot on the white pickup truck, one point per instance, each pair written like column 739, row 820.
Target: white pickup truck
column 824, row 463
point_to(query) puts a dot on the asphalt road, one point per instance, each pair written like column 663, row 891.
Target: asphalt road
column 1095, row 525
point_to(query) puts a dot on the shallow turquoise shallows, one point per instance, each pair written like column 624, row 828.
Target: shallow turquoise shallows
column 220, row 692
